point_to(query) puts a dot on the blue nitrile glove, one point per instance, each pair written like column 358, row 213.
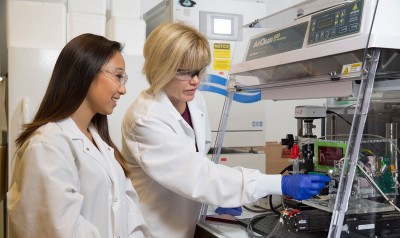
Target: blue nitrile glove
column 234, row 211
column 302, row 186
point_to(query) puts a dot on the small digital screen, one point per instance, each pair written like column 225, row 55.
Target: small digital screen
column 324, row 23
column 222, row 26
column 327, row 155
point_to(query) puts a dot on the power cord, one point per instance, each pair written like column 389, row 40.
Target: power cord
column 255, row 219
column 337, row 114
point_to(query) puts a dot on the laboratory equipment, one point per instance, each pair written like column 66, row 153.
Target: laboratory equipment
column 345, row 51
column 305, row 116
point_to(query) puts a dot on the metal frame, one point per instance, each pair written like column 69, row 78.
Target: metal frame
column 352, row 153
column 219, row 140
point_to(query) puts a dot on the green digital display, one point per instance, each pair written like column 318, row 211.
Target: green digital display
column 326, row 153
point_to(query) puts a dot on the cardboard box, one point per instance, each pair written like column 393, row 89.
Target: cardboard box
column 277, row 157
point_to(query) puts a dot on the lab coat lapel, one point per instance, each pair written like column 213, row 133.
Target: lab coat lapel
column 196, row 119
column 106, row 150
column 199, row 125
column 83, row 143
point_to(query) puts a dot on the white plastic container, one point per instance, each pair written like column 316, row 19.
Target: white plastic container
column 33, row 24
column 87, row 6
column 79, row 23
column 129, row 31
column 125, row 8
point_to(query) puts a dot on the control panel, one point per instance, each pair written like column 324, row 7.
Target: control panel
column 337, row 22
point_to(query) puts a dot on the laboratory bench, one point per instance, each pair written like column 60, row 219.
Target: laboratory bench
column 308, row 222
column 227, row 226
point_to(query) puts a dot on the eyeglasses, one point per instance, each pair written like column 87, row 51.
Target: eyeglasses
column 119, row 75
column 187, row 75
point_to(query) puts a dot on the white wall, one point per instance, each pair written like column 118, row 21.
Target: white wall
column 280, row 119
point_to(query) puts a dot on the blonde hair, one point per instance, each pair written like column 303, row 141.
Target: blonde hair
column 173, row 46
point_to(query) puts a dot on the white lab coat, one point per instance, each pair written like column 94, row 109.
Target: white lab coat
column 171, row 178
column 63, row 186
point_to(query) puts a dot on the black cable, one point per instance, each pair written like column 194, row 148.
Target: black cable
column 332, row 112
column 287, row 168
column 254, row 220
column 271, row 205
column 261, row 210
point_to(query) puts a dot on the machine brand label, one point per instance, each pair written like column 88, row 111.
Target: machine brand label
column 280, row 41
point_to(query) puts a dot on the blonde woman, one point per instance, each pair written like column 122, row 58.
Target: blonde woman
column 166, row 137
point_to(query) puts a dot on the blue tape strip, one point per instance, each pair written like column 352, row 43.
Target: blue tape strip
column 215, row 79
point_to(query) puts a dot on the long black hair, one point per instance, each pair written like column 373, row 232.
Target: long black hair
column 76, row 67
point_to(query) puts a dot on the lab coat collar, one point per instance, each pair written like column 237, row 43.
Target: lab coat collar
column 198, row 118
column 168, row 105
column 100, row 154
